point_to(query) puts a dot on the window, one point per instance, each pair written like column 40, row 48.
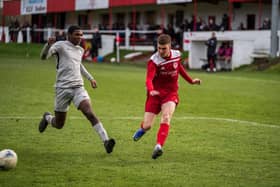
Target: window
column 150, row 17
column 171, row 19
column 104, row 22
column 83, row 20
column 179, row 18
column 251, row 20
column 137, row 19
column 213, row 18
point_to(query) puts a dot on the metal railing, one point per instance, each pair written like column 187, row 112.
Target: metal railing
column 127, row 38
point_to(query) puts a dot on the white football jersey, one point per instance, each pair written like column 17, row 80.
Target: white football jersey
column 69, row 64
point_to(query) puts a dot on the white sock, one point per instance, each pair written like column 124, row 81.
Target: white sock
column 101, row 131
column 49, row 118
column 157, row 147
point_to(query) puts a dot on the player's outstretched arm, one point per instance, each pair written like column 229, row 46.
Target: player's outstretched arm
column 196, row 81
column 151, row 71
column 88, row 76
column 45, row 51
column 154, row 92
column 186, row 76
column 93, row 83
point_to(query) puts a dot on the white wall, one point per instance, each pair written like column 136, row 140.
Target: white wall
column 107, row 45
column 245, row 45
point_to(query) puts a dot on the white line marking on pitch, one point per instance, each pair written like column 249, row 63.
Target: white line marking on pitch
column 251, row 123
column 251, row 79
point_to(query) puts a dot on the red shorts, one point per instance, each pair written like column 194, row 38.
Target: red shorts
column 153, row 103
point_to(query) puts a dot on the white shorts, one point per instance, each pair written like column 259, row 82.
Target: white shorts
column 64, row 96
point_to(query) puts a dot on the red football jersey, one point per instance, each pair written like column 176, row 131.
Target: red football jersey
column 162, row 73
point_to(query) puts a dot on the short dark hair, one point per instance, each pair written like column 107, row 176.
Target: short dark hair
column 73, row 28
column 164, row 39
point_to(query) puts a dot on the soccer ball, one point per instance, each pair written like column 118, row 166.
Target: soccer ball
column 8, row 159
column 113, row 59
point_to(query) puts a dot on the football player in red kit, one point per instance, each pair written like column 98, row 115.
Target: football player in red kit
column 163, row 70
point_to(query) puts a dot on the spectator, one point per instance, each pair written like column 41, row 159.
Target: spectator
column 24, row 30
column 225, row 23
column 266, row 24
column 186, row 26
column 170, row 31
column 211, row 52
column 225, row 54
column 13, row 30
column 178, row 37
column 87, row 54
column 95, row 42
column 221, row 50
column 212, row 25
column 159, row 32
column 199, row 25
column 194, row 23
column 202, row 25
column 60, row 35
column 241, row 26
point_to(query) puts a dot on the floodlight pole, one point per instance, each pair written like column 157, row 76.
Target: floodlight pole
column 274, row 28
column 118, row 47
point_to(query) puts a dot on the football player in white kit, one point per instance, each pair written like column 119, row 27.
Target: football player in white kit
column 70, row 85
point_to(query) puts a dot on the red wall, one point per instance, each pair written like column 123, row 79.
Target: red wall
column 11, row 8
column 60, row 5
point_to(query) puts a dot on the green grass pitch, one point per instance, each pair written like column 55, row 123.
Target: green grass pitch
column 225, row 132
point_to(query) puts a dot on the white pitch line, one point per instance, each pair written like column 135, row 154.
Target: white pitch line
column 231, row 120
column 252, row 79
column 251, row 123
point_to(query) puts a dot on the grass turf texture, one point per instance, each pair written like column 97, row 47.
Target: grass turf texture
column 224, row 132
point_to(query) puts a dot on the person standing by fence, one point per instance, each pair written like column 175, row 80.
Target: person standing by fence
column 96, row 42
column 211, row 44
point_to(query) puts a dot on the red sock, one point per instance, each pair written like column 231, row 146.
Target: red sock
column 162, row 133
